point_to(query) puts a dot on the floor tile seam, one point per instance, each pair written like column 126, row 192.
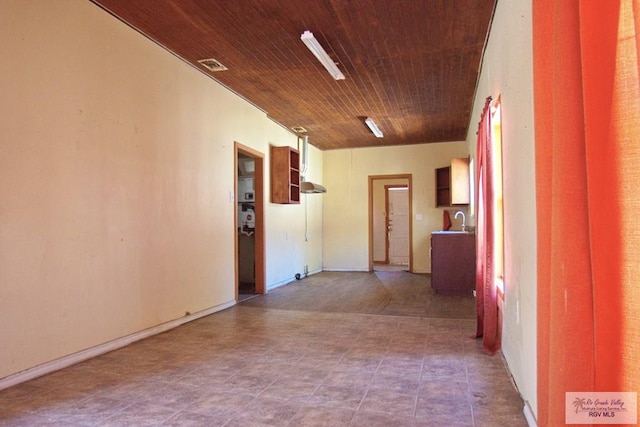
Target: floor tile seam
column 415, row 405
column 325, row 383
column 131, row 403
column 267, row 387
column 187, row 408
column 382, row 412
column 126, row 399
column 363, row 398
column 469, row 397
column 379, row 315
column 175, row 414
column 369, row 384
column 303, row 404
column 225, row 383
column 473, row 416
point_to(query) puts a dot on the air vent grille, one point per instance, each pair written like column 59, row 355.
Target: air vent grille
column 213, row 64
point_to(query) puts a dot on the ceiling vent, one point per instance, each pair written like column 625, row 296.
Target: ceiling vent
column 213, row 64
column 299, row 129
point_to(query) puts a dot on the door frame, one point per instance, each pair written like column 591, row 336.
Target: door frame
column 386, row 217
column 259, row 233
column 409, row 178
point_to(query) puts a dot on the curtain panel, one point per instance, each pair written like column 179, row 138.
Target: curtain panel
column 587, row 136
column 486, row 293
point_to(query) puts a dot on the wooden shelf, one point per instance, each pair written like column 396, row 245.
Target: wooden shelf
column 285, row 175
column 452, row 183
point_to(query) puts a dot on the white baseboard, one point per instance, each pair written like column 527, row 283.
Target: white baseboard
column 279, row 284
column 72, row 359
column 528, row 415
column 292, row 279
column 366, row 270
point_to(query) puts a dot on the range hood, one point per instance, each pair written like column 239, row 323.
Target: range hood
column 305, row 186
column 310, row 187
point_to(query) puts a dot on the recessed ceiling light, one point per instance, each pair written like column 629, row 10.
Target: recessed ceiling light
column 213, row 64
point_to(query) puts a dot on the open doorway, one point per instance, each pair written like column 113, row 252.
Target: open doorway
column 397, row 225
column 390, row 222
column 249, row 223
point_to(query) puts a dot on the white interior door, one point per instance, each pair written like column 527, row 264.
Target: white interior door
column 398, row 226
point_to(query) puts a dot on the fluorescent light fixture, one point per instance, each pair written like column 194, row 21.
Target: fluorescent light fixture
column 319, row 52
column 374, row 128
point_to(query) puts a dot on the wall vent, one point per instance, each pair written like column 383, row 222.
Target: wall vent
column 213, row 64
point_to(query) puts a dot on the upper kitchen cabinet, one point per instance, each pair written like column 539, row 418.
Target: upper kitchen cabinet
column 452, row 183
column 285, row 175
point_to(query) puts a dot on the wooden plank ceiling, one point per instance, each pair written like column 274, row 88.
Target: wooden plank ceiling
column 411, row 65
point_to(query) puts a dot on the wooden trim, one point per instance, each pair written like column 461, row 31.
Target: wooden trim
column 409, row 178
column 386, row 224
column 370, row 191
column 260, row 262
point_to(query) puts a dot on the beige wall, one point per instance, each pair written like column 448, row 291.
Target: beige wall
column 294, row 232
column 116, row 169
column 346, row 206
column 508, row 72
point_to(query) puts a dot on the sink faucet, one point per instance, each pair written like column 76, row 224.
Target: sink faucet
column 464, row 219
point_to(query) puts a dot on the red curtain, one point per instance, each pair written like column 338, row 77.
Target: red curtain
column 587, row 133
column 486, row 292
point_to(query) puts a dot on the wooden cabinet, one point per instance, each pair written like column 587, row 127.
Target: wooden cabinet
column 453, row 263
column 452, row 183
column 285, row 175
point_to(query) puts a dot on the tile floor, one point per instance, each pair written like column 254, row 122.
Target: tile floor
column 394, row 293
column 257, row 366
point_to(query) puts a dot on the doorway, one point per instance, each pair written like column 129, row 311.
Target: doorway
column 397, row 224
column 249, row 222
column 390, row 222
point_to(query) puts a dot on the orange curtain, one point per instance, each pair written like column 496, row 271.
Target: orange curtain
column 587, row 133
column 486, row 292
